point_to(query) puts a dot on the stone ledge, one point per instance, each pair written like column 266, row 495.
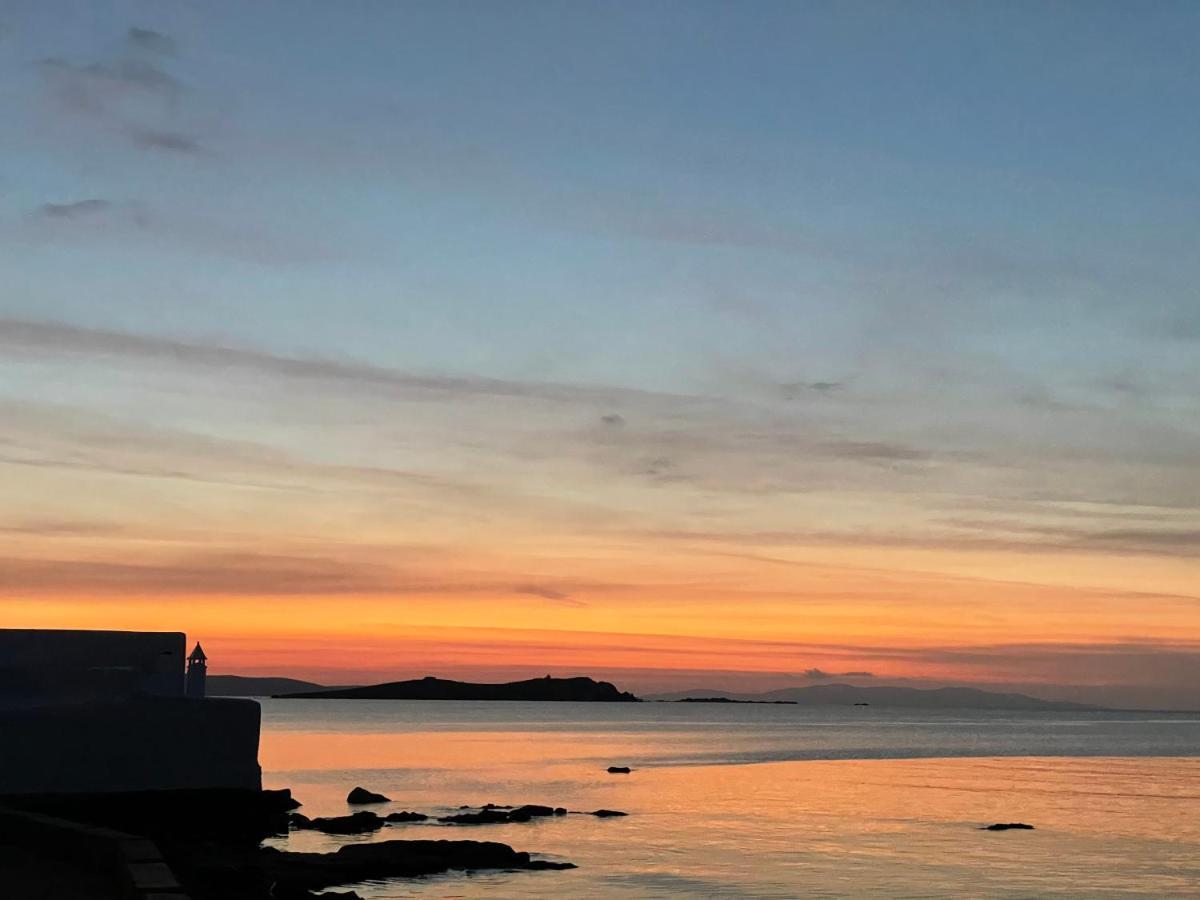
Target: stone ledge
column 136, row 866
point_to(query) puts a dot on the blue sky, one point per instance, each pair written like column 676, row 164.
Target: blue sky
column 923, row 269
column 607, row 193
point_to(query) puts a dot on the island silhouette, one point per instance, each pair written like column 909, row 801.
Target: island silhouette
column 579, row 689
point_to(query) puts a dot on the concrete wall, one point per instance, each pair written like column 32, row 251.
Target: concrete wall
column 149, row 744
column 40, row 667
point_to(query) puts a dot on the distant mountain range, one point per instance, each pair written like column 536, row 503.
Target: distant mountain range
column 560, row 689
column 915, row 698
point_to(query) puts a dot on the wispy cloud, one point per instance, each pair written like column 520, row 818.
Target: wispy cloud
column 151, row 226
column 224, row 574
column 548, row 593
column 128, row 93
column 74, row 209
column 153, row 41
column 23, row 334
column 165, row 140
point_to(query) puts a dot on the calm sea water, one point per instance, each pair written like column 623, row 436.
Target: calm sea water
column 766, row 801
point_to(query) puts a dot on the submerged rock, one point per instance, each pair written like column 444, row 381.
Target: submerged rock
column 608, row 813
column 619, row 770
column 358, row 823
column 530, row 811
column 493, row 814
column 361, row 795
column 405, row 816
column 483, row 817
column 1007, row 826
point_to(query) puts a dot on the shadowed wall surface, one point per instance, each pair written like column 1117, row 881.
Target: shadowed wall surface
column 40, row 666
column 153, row 744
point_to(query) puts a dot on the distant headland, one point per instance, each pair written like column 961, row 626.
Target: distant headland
column 887, row 696
column 430, row 688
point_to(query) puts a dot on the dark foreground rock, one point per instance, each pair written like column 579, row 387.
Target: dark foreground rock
column 1007, row 826
column 214, row 872
column 295, row 872
column 210, row 840
column 608, row 813
column 619, row 770
column 361, row 795
column 358, row 823
column 232, row 816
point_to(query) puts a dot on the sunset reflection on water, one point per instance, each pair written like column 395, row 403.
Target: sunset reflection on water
column 1124, row 826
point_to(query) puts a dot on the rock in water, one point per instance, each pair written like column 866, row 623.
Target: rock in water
column 359, row 823
column 405, row 816
column 1007, row 826
column 619, row 770
column 483, row 817
column 362, row 795
column 609, row 813
column 529, row 811
column 390, row 859
column 492, row 814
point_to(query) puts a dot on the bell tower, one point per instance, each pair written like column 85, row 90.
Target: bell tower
column 197, row 671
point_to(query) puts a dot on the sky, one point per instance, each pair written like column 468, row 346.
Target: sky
column 694, row 344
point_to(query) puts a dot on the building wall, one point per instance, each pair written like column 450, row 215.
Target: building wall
column 148, row 744
column 40, row 667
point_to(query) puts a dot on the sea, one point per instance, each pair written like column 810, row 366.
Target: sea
column 778, row 801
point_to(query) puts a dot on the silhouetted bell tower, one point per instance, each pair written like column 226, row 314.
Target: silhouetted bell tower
column 197, row 670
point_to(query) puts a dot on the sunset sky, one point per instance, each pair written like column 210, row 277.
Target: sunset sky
column 682, row 344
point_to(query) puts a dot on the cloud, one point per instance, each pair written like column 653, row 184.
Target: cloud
column 1185, row 541
column 1015, row 537
column 821, row 675
column 238, row 573
column 27, row 335
column 876, row 450
column 60, row 528
column 613, row 420
column 131, row 221
column 73, row 210
column 98, row 87
column 797, row 389
column 547, row 593
column 126, row 94
column 197, row 574
column 154, row 41
column 165, row 140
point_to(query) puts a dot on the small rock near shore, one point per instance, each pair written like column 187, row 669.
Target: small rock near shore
column 361, row 795
column 405, row 816
column 609, row 813
column 358, row 823
column 619, row 770
column 483, row 817
column 1007, row 826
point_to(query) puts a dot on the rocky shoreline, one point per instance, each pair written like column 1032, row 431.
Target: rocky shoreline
column 212, row 840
